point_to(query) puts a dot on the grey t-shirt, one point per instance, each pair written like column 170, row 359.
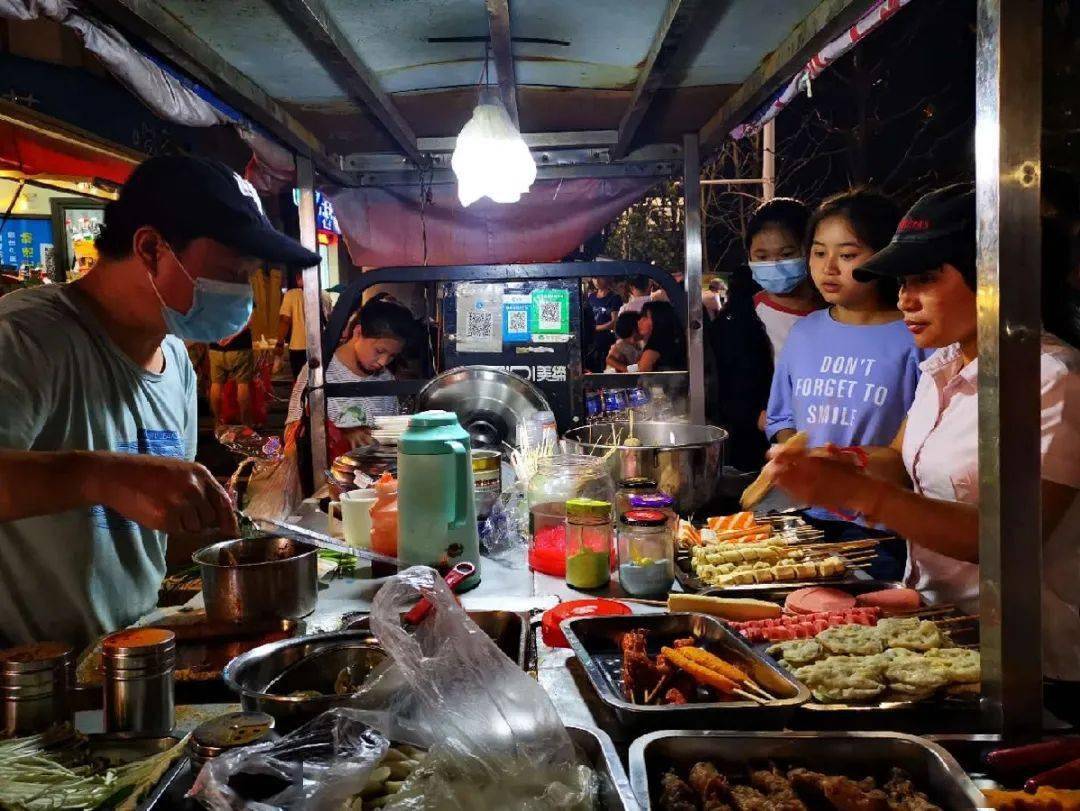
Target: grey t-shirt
column 64, row 385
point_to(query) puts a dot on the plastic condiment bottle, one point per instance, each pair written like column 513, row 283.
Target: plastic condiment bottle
column 384, row 519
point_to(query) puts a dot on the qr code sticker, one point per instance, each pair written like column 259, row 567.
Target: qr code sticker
column 517, row 322
column 550, row 315
column 480, row 324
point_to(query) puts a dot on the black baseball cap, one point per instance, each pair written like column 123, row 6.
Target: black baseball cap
column 203, row 198
column 939, row 228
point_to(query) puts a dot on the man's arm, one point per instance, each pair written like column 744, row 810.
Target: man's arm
column 157, row 492
column 284, row 324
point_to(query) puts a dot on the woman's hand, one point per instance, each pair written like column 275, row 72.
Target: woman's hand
column 819, row 478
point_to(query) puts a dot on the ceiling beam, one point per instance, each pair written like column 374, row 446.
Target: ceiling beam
column 311, row 21
column 659, row 60
column 817, row 28
column 172, row 39
column 502, row 48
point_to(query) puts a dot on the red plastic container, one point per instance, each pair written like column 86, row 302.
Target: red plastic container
column 552, row 634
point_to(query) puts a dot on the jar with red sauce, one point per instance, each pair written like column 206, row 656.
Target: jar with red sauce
column 557, row 480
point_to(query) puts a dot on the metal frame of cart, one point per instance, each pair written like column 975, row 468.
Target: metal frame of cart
column 1008, row 104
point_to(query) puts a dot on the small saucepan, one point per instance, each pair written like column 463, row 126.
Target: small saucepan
column 260, row 578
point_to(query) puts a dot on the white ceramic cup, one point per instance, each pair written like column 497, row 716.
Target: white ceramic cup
column 355, row 507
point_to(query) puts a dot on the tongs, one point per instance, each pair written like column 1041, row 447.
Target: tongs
column 317, row 539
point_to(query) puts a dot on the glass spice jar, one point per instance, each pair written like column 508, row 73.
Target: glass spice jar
column 646, row 553
column 628, row 488
column 656, row 501
column 588, row 543
column 557, row 480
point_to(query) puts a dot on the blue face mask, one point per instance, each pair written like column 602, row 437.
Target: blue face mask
column 779, row 277
column 218, row 309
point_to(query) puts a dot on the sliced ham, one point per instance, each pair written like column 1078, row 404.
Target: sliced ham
column 891, row 601
column 818, row 599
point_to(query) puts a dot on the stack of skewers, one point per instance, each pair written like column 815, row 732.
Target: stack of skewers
column 766, row 562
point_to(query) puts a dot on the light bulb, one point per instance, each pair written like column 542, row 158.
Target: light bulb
column 490, row 158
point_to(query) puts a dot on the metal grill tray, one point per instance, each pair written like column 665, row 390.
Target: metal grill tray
column 940, row 713
column 854, row 754
column 595, row 642
column 855, row 583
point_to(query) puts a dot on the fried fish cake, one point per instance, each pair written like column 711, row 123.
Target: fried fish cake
column 850, row 640
column 960, row 665
column 798, row 652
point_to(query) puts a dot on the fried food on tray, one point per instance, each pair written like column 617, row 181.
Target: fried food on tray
column 711, row 786
column 856, row 662
column 675, row 794
column 851, row 640
column 1044, row 799
column 770, row 788
column 639, row 673
column 674, row 675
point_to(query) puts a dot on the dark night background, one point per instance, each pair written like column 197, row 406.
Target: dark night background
column 896, row 113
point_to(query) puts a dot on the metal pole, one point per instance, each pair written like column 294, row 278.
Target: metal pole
column 305, row 179
column 694, row 259
column 1008, row 94
column 768, row 160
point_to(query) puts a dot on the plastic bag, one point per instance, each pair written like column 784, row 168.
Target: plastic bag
column 494, row 738
column 267, row 488
column 321, row 765
column 506, row 529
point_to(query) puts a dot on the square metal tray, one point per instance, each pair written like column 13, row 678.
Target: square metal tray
column 854, row 754
column 595, row 642
column 594, row 747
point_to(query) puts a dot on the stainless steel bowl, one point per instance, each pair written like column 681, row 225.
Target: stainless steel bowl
column 685, row 460
column 262, row 578
column 272, row 678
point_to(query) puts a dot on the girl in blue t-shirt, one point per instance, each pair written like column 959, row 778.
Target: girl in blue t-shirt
column 847, row 374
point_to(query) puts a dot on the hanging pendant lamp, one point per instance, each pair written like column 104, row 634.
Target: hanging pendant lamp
column 490, row 158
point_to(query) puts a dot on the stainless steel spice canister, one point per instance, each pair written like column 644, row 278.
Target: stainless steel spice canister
column 34, row 684
column 230, row 731
column 138, row 665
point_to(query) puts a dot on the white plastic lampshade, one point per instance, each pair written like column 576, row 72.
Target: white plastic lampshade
column 490, row 158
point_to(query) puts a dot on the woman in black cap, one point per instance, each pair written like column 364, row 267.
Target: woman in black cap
column 926, row 485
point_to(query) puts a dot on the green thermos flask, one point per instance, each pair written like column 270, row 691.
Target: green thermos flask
column 436, row 505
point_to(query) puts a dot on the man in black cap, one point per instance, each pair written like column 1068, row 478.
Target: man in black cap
column 98, row 436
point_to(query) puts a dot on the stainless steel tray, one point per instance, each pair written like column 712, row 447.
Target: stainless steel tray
column 507, row 629
column 598, row 752
column 855, row 583
column 595, row 642
column 593, row 746
column 855, row 754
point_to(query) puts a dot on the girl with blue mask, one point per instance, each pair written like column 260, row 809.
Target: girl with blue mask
column 774, row 248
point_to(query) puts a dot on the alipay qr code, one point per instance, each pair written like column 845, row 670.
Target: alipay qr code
column 550, row 314
column 480, row 324
column 517, row 321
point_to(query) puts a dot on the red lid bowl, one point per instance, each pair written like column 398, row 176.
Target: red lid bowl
column 552, row 634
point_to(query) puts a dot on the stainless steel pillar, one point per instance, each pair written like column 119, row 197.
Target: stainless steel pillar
column 1007, row 165
column 694, row 259
column 305, row 180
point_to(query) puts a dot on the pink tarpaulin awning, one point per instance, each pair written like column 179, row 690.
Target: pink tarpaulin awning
column 386, row 227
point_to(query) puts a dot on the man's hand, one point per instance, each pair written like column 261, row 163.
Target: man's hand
column 170, row 495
